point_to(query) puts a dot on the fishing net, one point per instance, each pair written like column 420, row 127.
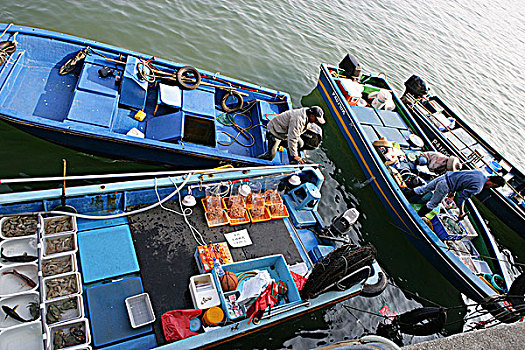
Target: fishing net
column 340, row 263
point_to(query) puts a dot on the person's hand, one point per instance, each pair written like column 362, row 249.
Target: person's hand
column 299, row 159
column 462, row 216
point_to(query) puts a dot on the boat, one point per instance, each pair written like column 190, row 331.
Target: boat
column 138, row 263
column 452, row 135
column 110, row 101
column 380, row 132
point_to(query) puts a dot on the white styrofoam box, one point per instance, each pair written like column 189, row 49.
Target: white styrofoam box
column 66, row 315
column 46, row 262
column 65, row 327
column 203, row 291
column 76, row 285
column 11, row 284
column 22, row 300
column 2, row 233
column 52, row 239
column 30, row 332
column 140, row 311
column 72, row 219
column 18, row 246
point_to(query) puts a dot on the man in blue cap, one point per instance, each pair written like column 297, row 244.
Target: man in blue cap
column 289, row 126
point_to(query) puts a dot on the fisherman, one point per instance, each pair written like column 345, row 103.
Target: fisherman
column 289, row 126
column 465, row 184
column 439, row 163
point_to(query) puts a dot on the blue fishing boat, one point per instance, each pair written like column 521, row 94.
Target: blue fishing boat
column 380, row 133
column 187, row 261
column 451, row 135
column 110, row 101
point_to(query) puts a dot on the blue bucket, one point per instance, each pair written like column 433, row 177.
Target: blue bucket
column 494, row 165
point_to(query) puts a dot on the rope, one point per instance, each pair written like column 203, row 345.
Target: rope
column 6, row 29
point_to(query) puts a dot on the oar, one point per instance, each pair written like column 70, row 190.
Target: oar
column 153, row 174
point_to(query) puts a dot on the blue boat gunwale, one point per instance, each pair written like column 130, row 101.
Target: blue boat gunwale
column 101, row 133
column 423, row 232
column 450, row 148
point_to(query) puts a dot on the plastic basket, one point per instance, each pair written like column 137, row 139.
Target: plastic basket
column 65, row 314
column 50, row 294
column 65, row 328
column 50, row 240
column 65, row 264
column 223, row 220
column 265, row 217
column 239, row 221
column 440, row 230
column 140, row 311
column 5, row 234
column 282, row 216
column 69, row 224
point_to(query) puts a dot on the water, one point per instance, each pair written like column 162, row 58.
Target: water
column 469, row 51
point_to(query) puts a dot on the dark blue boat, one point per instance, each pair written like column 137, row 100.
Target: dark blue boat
column 106, row 100
column 347, row 95
column 451, row 135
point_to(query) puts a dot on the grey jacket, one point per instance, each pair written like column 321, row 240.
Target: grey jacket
column 291, row 123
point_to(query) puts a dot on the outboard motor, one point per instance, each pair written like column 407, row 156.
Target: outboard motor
column 416, row 87
column 340, row 226
column 351, row 66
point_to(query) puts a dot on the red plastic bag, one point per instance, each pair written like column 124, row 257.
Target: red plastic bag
column 299, row 280
column 176, row 324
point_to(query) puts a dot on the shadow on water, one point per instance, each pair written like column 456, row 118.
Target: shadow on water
column 27, row 154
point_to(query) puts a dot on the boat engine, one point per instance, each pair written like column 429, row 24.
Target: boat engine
column 350, row 64
column 416, row 87
column 340, row 226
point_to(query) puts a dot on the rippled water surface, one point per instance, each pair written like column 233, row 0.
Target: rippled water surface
column 469, row 51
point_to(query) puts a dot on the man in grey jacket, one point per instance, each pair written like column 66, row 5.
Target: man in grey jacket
column 289, row 126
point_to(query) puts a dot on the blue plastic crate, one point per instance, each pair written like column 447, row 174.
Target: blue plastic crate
column 440, row 231
column 276, row 267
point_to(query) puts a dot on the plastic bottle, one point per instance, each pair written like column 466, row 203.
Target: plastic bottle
column 379, row 100
column 218, row 268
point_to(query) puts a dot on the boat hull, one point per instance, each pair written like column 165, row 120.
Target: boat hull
column 508, row 212
column 391, row 197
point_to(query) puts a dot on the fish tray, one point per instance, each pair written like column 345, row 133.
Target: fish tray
column 225, row 201
column 68, row 261
column 53, row 331
column 7, row 234
column 23, row 301
column 75, row 287
column 240, row 221
column 277, row 198
column 140, row 311
column 65, row 314
column 224, row 220
column 441, row 231
column 59, row 224
column 265, row 217
column 11, row 285
column 54, row 239
column 17, row 247
column 282, row 216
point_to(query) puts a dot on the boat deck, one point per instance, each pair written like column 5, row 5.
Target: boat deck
column 165, row 247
